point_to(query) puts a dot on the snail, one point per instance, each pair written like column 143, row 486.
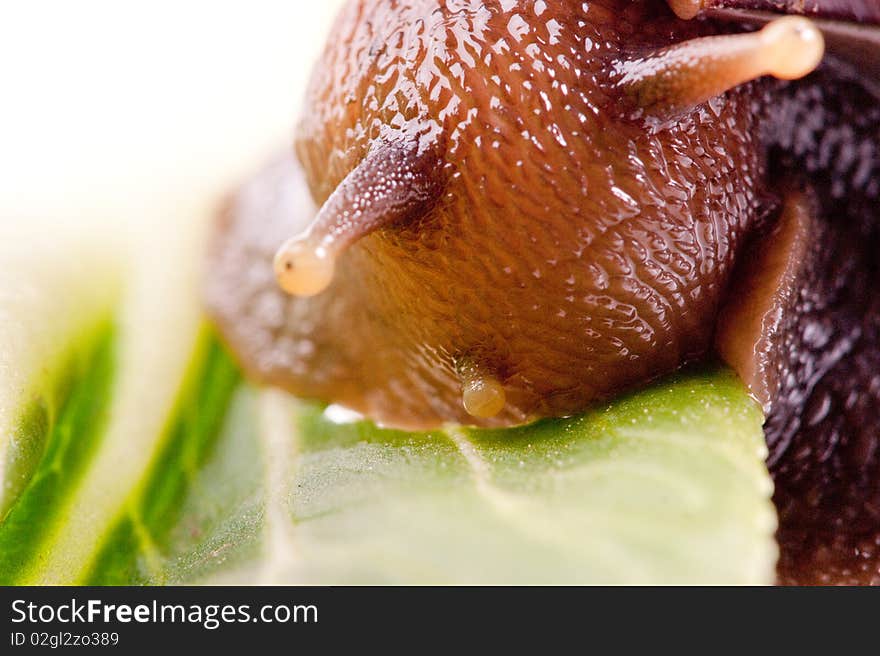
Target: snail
column 499, row 211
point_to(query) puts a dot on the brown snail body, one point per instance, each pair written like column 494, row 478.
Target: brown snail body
column 570, row 254
column 529, row 207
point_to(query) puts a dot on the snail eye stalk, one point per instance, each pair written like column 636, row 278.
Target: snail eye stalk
column 390, row 185
column 682, row 76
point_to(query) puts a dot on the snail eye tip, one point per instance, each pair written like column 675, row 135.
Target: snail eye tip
column 795, row 46
column 303, row 269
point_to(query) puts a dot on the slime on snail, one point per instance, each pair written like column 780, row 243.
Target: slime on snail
column 502, row 211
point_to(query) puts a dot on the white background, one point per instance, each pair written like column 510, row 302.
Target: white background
column 108, row 109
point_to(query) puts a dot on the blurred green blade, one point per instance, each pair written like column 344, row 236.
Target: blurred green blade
column 54, row 316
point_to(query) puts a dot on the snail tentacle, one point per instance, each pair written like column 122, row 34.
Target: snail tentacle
column 682, row 76
column 393, row 183
column 686, row 9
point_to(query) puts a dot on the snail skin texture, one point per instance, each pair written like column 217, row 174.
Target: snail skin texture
column 498, row 211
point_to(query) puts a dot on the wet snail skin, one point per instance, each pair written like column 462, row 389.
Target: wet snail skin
column 542, row 199
column 498, row 211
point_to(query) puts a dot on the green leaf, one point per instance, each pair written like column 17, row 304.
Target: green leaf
column 666, row 486
column 158, row 463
